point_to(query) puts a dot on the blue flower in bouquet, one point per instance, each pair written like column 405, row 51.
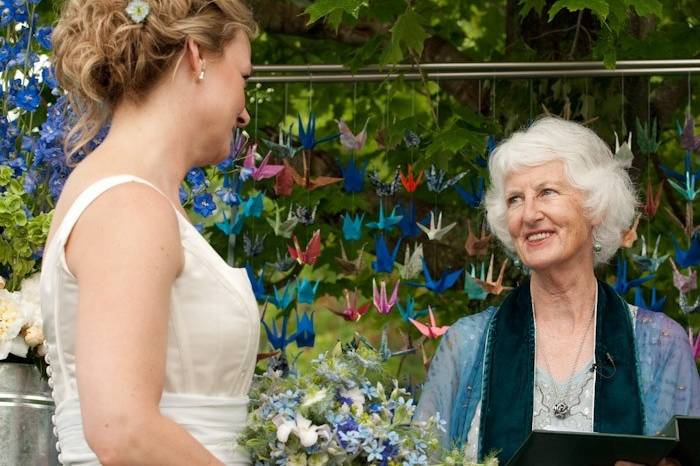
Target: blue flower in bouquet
column 48, row 76
column 197, row 180
column 43, row 37
column 391, row 450
column 27, row 97
column 284, row 403
column 183, row 195
column 228, row 193
column 374, row 450
column 415, row 459
column 31, row 180
column 204, row 204
column 369, row 390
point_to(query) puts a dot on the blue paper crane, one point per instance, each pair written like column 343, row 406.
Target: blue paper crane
column 352, row 227
column 279, row 339
column 284, row 299
column 305, row 334
column 687, row 169
column 306, row 292
column 408, row 223
column 307, row 134
column 385, row 261
column 445, row 282
column 409, row 312
column 691, row 256
column 232, row 228
column 253, row 206
column 230, row 191
column 474, row 197
column 354, row 176
column 622, row 285
column 256, row 283
column 656, row 305
column 384, row 222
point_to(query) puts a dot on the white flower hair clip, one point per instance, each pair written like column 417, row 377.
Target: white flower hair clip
column 138, row 10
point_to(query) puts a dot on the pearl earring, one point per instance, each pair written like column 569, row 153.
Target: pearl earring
column 203, row 69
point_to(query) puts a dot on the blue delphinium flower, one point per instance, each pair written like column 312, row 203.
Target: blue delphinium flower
column 27, row 97
column 197, row 179
column 183, row 195
column 391, row 450
column 204, row 204
column 43, row 37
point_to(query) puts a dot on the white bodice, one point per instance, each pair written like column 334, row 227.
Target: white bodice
column 213, row 335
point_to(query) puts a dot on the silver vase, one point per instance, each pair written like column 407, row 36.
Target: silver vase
column 26, row 407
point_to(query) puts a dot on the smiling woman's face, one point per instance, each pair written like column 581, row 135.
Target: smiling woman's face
column 546, row 218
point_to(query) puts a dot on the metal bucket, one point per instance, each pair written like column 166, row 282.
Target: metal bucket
column 26, row 407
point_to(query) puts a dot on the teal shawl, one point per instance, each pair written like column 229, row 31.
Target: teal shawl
column 508, row 374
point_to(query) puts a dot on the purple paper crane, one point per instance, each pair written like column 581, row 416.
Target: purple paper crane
column 380, row 300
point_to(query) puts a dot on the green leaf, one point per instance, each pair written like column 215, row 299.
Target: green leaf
column 528, row 5
column 392, row 54
column 322, row 8
column 408, row 32
column 600, row 8
column 648, row 7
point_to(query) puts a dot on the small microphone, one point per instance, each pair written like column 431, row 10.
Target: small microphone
column 600, row 369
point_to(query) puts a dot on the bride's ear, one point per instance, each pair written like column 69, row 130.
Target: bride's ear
column 193, row 55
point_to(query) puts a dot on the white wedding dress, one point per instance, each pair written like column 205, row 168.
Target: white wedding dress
column 213, row 334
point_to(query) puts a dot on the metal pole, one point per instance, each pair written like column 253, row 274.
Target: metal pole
column 463, row 75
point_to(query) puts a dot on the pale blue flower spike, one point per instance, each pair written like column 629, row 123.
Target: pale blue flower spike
column 138, row 10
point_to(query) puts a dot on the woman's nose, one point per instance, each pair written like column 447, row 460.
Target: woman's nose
column 243, row 119
column 531, row 210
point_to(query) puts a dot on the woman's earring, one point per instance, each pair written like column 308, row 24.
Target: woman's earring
column 202, row 70
column 597, row 247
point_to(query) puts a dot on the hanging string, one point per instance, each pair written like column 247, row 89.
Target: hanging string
column 531, row 98
column 690, row 97
column 286, row 101
column 493, row 99
column 479, row 99
column 585, row 96
column 622, row 106
column 413, row 116
column 354, row 131
column 437, row 102
column 255, row 125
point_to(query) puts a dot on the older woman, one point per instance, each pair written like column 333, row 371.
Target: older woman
column 563, row 351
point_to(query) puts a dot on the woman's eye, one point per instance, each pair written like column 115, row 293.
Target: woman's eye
column 548, row 192
column 512, row 200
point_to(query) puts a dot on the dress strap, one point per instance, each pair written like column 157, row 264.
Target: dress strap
column 91, row 193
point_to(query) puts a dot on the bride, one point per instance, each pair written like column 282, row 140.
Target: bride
column 151, row 336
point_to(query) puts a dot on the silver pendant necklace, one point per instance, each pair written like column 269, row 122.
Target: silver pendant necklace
column 561, row 408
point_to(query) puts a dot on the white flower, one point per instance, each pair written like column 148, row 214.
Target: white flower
column 301, row 427
column 12, row 319
column 33, row 336
column 357, row 398
column 138, row 10
column 30, row 291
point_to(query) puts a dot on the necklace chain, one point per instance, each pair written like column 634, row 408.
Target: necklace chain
column 561, row 407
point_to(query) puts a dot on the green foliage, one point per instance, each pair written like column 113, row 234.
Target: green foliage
column 334, row 9
column 600, row 8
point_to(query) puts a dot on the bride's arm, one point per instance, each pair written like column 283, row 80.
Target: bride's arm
column 125, row 252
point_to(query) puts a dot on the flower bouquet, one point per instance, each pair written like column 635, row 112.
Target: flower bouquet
column 347, row 411
column 20, row 321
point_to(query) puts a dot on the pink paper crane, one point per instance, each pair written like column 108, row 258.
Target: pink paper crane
column 380, row 300
column 432, row 330
column 264, row 170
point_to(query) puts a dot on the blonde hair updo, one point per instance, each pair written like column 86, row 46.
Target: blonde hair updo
column 102, row 56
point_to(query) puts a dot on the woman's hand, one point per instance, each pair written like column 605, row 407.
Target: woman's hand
column 663, row 462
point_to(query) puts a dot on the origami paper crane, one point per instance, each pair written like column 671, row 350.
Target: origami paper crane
column 623, row 153
column 350, row 266
column 385, row 223
column 354, row 176
column 688, row 173
column 385, row 189
column 283, row 229
column 253, row 206
column 646, row 138
column 253, row 247
column 471, row 285
column 385, row 261
column 278, row 338
column 474, row 197
column 349, row 140
column 312, row 251
column 230, row 191
column 385, row 353
column 436, row 181
column 304, row 215
column 445, row 282
column 689, row 257
column 305, row 336
column 284, row 299
column 282, row 264
column 305, row 180
column 283, row 147
column 436, row 232
column 410, row 183
column 231, row 228
column 688, row 191
column 411, row 139
column 688, row 308
column 352, row 227
column 307, row 134
column 284, row 182
column 651, row 205
column 630, row 236
column 684, row 283
column 306, row 292
column 431, row 331
column 380, row 300
column 264, row 170
column 351, row 312
column 656, row 305
column 408, row 312
column 689, row 141
column 650, row 264
column 494, row 287
column 239, row 140
column 477, row 246
column 412, row 263
column 256, row 283
column 408, row 221
column 622, row 285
